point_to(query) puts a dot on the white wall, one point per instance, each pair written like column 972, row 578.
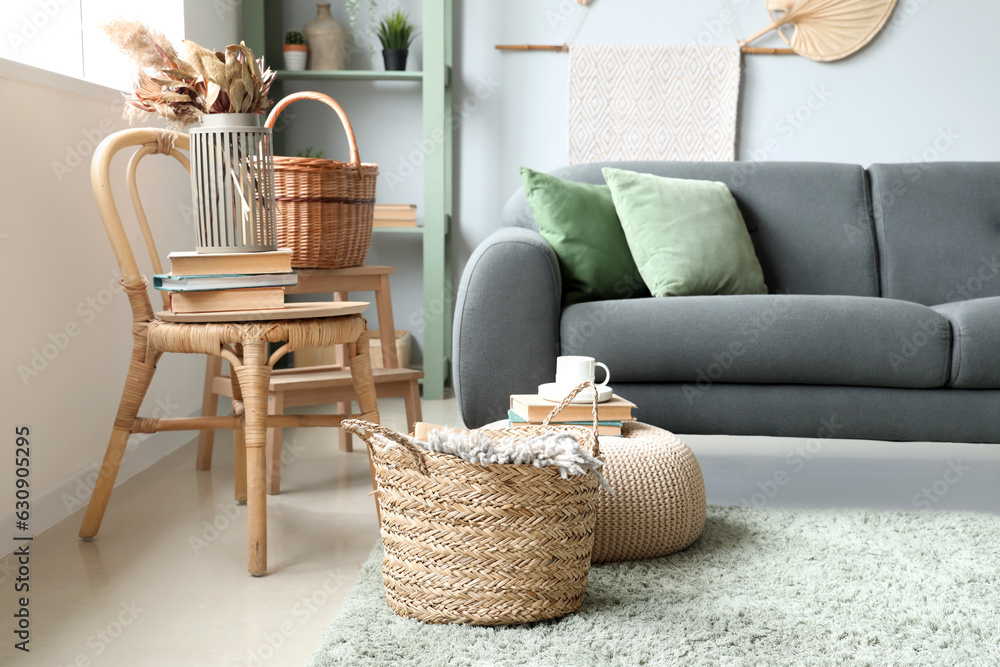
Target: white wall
column 67, row 333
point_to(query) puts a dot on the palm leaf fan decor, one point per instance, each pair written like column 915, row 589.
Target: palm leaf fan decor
column 827, row 30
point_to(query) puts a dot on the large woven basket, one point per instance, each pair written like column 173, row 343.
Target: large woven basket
column 325, row 208
column 481, row 544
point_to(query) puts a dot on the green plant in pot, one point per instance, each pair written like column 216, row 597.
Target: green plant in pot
column 295, row 50
column 396, row 34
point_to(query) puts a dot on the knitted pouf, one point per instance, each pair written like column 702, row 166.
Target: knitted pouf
column 659, row 502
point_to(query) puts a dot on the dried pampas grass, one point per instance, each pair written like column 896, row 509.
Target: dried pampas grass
column 182, row 90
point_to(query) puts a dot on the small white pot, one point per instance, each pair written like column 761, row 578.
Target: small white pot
column 295, row 56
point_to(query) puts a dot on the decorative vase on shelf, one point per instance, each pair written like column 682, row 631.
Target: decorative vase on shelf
column 395, row 59
column 327, row 41
column 232, row 183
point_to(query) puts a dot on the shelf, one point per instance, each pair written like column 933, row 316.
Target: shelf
column 263, row 31
column 347, row 75
column 398, row 230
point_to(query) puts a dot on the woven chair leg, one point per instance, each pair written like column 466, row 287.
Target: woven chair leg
column 275, row 406
column 364, row 389
column 209, row 408
column 362, row 379
column 239, row 445
column 140, row 373
column 254, row 379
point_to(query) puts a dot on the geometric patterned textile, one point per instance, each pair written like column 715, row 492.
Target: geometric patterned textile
column 674, row 103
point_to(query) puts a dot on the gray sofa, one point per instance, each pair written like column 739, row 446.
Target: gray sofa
column 883, row 320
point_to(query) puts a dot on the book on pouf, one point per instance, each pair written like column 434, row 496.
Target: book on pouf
column 603, row 427
column 534, row 408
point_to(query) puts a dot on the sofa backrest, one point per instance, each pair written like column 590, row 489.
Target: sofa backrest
column 938, row 226
column 810, row 223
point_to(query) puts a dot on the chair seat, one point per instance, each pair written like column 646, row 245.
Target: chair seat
column 206, row 337
column 291, row 311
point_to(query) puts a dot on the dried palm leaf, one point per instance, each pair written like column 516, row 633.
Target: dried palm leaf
column 182, row 90
column 827, row 30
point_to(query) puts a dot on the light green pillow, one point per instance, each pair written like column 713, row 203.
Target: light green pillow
column 687, row 237
column 580, row 223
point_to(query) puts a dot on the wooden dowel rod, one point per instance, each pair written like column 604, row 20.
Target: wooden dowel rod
column 148, row 425
column 767, row 51
column 750, row 50
column 531, row 47
column 296, row 421
column 151, row 425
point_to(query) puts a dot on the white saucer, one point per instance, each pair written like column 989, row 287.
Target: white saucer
column 556, row 393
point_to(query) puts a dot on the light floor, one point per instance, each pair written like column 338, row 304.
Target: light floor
column 165, row 582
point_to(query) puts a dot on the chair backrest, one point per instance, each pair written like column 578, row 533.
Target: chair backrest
column 149, row 141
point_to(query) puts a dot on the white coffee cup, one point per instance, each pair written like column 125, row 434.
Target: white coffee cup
column 572, row 370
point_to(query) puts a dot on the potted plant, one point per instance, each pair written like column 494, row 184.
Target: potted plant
column 396, row 34
column 295, row 50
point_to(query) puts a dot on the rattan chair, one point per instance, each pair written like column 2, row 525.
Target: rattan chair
column 239, row 337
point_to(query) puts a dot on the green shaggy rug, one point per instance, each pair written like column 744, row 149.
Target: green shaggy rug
column 759, row 587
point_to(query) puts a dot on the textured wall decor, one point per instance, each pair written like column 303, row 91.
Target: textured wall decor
column 653, row 102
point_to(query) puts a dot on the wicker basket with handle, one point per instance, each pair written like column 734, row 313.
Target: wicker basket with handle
column 482, row 544
column 325, row 207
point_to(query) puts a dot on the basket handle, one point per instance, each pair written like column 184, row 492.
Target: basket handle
column 566, row 401
column 272, row 117
column 365, row 431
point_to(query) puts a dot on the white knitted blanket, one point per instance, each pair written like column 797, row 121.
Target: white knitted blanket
column 559, row 449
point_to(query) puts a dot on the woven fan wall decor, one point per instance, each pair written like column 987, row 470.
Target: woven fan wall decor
column 827, row 30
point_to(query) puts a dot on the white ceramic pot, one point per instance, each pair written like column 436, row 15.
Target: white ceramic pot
column 295, row 56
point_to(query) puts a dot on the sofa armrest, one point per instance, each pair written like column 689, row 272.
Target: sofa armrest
column 506, row 334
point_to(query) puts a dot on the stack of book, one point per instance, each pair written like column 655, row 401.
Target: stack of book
column 532, row 409
column 395, row 215
column 210, row 282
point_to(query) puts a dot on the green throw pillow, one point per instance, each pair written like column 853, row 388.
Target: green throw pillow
column 687, row 237
column 580, row 223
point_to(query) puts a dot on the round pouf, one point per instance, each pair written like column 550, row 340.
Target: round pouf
column 658, row 506
column 659, row 502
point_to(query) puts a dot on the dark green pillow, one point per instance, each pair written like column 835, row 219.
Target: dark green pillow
column 687, row 237
column 580, row 223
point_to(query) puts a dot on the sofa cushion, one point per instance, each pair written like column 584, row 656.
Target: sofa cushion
column 975, row 329
column 810, row 223
column 581, row 224
column 938, row 228
column 781, row 339
column 687, row 237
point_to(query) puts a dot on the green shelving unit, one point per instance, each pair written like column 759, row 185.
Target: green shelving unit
column 263, row 33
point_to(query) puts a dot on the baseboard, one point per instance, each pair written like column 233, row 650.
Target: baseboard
column 73, row 494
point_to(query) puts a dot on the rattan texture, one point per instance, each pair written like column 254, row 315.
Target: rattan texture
column 481, row 544
column 658, row 506
column 325, row 208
